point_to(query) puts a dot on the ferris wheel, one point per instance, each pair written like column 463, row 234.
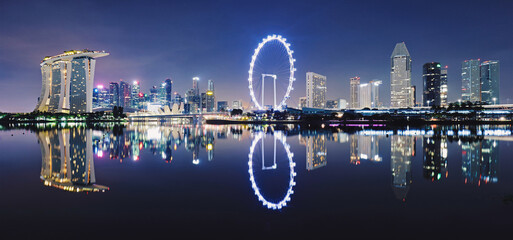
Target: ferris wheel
column 272, row 60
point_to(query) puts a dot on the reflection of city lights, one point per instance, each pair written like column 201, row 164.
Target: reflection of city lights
column 210, row 147
column 100, row 154
column 195, row 161
column 136, row 158
column 292, row 164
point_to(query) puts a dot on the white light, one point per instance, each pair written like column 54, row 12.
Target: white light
column 292, row 70
column 280, row 136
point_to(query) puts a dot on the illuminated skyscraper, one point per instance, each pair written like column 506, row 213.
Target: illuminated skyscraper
column 315, row 90
column 316, row 152
column 431, row 75
column 210, row 99
column 125, row 94
column 168, row 92
column 490, row 82
column 365, row 95
column 67, row 83
column 355, row 90
column 400, row 77
column 114, row 94
column 470, row 80
column 444, row 89
column 134, row 95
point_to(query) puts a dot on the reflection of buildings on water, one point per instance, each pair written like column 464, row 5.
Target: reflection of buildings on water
column 162, row 140
column 364, row 147
column 68, row 160
column 480, row 161
column 316, row 150
column 402, row 149
column 435, row 158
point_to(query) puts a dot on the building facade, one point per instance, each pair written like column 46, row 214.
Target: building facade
column 470, row 80
column 490, row 82
column 355, row 90
column 431, row 77
column 315, row 90
column 400, row 77
column 67, row 82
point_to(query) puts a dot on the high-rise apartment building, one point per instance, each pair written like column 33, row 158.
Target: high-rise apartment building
column 67, row 82
column 400, row 77
column 365, row 95
column 431, row 76
column 315, row 90
column 490, row 81
column 354, row 95
column 444, row 89
column 114, row 94
column 470, row 80
column 210, row 102
column 125, row 94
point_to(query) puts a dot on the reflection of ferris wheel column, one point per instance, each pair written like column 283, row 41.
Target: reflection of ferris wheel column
column 274, row 80
column 292, row 174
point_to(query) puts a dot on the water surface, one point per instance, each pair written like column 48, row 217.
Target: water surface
column 256, row 181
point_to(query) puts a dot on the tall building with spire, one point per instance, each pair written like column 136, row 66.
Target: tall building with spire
column 400, row 77
column 67, row 83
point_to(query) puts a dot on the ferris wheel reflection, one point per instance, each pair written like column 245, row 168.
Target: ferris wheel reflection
column 278, row 136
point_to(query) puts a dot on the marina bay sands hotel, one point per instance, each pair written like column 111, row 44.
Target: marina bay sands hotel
column 68, row 82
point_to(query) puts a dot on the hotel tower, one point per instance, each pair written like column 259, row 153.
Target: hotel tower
column 68, row 82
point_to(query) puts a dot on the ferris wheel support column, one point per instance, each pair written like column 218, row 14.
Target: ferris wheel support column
column 263, row 78
column 274, row 80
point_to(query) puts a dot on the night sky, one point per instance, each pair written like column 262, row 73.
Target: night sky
column 150, row 41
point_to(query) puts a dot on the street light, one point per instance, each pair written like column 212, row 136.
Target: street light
column 494, row 99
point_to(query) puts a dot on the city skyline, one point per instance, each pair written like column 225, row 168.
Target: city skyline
column 221, row 50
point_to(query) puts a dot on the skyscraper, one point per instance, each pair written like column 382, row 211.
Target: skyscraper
column 210, row 104
column 490, row 81
column 444, row 90
column 400, row 77
column 365, row 95
column 470, row 80
column 168, row 92
column 315, row 90
column 114, row 94
column 374, row 97
column 134, row 95
column 355, row 89
column 67, row 83
column 125, row 94
column 431, row 76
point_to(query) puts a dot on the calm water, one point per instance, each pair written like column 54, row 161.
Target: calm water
column 252, row 181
